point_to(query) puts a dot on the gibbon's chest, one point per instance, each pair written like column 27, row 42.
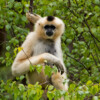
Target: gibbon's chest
column 41, row 46
column 44, row 46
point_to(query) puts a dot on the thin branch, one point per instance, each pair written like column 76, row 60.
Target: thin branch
column 90, row 30
column 92, row 54
column 79, row 62
column 44, row 82
column 94, row 59
column 86, row 24
column 69, row 4
column 4, row 42
column 27, row 57
column 76, row 2
column 31, row 6
column 91, row 34
column 97, row 56
column 31, row 11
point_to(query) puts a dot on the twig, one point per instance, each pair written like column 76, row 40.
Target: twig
column 4, row 42
column 90, row 30
column 44, row 82
column 94, row 59
column 97, row 56
column 92, row 34
column 31, row 11
column 27, row 57
column 78, row 62
column 69, row 3
column 92, row 54
column 76, row 2
column 86, row 24
column 31, row 6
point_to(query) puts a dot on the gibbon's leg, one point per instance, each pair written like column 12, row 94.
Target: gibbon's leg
column 58, row 81
column 20, row 67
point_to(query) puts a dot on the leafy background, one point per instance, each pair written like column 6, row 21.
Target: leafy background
column 80, row 44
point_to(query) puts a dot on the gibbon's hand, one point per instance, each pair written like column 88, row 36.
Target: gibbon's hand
column 54, row 60
column 60, row 67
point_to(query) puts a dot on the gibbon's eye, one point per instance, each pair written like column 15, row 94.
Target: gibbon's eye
column 49, row 26
column 46, row 27
column 53, row 27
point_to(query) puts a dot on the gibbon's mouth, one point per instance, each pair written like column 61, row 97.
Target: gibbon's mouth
column 49, row 33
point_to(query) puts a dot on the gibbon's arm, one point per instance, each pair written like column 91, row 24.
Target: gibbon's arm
column 22, row 67
column 33, row 18
column 22, row 61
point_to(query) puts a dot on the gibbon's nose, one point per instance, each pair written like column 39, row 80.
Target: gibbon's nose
column 49, row 33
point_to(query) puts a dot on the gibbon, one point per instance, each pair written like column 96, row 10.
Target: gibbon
column 42, row 44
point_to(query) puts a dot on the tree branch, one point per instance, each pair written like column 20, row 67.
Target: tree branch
column 90, row 30
column 31, row 11
column 92, row 54
column 92, row 34
column 79, row 63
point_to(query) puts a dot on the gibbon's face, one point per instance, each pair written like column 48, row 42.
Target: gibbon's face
column 49, row 27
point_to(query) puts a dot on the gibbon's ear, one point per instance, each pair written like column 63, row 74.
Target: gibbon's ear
column 33, row 18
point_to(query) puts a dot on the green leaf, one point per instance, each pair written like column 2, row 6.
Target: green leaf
column 19, row 49
column 32, row 68
column 54, row 69
column 15, row 51
column 93, row 30
column 50, row 87
column 97, row 1
column 69, row 40
column 22, row 77
column 80, row 29
column 89, row 83
column 8, row 48
column 48, row 70
column 39, row 68
column 95, row 98
column 72, row 87
column 8, row 27
column 24, row 18
column 7, row 54
column 94, row 89
column 21, row 87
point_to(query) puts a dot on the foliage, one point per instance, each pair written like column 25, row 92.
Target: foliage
column 13, row 91
column 80, row 44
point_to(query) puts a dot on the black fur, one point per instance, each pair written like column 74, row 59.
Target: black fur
column 50, row 48
column 50, row 18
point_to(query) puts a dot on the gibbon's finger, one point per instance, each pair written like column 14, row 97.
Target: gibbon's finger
column 60, row 67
